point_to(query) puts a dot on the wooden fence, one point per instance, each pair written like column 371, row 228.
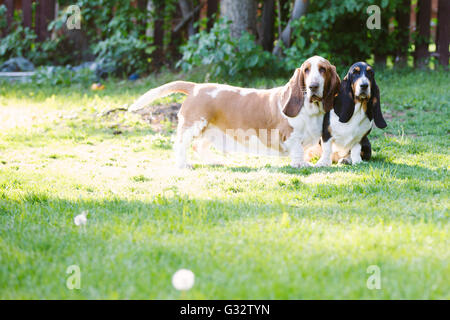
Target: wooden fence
column 37, row 19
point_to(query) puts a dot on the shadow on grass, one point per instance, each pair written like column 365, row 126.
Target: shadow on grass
column 378, row 162
column 170, row 214
column 176, row 214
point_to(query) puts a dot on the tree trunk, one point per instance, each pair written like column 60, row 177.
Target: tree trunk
column 443, row 35
column 186, row 8
column 267, row 23
column 242, row 15
column 300, row 7
column 402, row 16
column 213, row 6
column 423, row 26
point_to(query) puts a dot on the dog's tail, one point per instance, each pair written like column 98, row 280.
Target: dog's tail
column 162, row 91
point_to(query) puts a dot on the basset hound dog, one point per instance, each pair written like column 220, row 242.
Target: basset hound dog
column 356, row 109
column 281, row 121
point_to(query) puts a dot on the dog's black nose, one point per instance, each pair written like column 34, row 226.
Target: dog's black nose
column 364, row 85
column 314, row 86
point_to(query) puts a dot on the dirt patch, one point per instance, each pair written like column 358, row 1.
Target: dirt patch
column 397, row 115
column 412, row 135
column 160, row 117
column 158, row 114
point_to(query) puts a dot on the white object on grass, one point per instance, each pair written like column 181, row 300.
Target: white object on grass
column 183, row 279
column 81, row 219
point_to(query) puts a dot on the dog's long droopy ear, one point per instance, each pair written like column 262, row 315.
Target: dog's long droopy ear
column 292, row 94
column 345, row 104
column 375, row 107
column 332, row 85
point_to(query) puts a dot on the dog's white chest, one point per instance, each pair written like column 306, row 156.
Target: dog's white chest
column 346, row 135
column 307, row 125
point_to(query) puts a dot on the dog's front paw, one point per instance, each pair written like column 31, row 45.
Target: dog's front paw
column 344, row 161
column 323, row 163
column 302, row 164
column 184, row 166
column 356, row 161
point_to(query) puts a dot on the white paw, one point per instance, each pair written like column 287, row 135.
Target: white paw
column 184, row 166
column 302, row 164
column 323, row 163
column 356, row 161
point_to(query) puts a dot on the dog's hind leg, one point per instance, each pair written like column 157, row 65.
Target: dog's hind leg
column 185, row 134
column 202, row 147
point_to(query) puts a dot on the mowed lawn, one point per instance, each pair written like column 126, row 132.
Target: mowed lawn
column 252, row 228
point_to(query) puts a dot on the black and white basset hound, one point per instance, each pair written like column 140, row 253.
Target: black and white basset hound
column 356, row 108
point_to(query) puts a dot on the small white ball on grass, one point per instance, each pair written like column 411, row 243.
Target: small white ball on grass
column 183, row 279
column 81, row 219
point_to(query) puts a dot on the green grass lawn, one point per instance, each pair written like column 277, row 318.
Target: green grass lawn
column 253, row 228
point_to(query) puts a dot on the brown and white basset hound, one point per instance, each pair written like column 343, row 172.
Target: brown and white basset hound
column 282, row 121
column 356, row 109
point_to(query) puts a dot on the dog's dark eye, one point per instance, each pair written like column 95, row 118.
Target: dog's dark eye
column 322, row 70
column 307, row 70
column 355, row 71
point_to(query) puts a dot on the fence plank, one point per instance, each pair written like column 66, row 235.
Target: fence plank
column 443, row 31
column 423, row 26
column 212, row 9
column 158, row 40
column 9, row 13
column 27, row 13
column 45, row 13
column 37, row 19
column 49, row 13
column 402, row 15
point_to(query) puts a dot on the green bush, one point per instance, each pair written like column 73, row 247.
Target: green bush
column 18, row 43
column 3, row 22
column 337, row 30
column 101, row 19
column 109, row 26
column 116, row 35
column 125, row 55
column 114, row 30
column 21, row 42
column 227, row 56
column 63, row 76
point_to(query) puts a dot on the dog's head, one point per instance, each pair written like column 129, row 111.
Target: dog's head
column 359, row 86
column 315, row 81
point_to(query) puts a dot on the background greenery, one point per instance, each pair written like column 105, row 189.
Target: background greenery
column 115, row 34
